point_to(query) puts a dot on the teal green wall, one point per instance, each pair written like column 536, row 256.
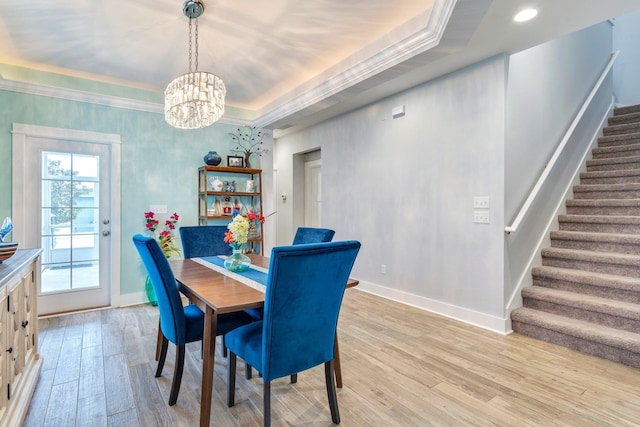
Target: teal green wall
column 159, row 163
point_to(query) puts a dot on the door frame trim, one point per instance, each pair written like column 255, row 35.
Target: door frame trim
column 21, row 133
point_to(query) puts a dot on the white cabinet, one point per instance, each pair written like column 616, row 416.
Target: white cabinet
column 19, row 359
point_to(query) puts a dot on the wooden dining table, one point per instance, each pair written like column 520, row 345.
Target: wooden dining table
column 216, row 293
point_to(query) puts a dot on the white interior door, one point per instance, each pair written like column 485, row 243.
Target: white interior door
column 67, row 213
column 312, row 193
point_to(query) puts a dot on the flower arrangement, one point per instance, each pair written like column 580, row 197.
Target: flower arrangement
column 238, row 233
column 248, row 141
column 164, row 237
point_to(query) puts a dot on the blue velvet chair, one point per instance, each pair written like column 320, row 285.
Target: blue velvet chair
column 204, row 240
column 304, row 293
column 312, row 235
column 304, row 235
column 178, row 324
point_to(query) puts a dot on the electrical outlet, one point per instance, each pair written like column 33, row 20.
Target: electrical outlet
column 481, row 202
column 383, row 269
column 159, row 209
column 481, row 217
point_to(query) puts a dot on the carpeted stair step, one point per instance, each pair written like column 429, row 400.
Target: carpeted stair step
column 621, row 129
column 602, row 341
column 600, row 223
column 615, row 163
column 599, row 242
column 620, row 111
column 625, row 176
column 607, row 191
column 624, row 118
column 616, row 151
column 609, row 286
column 615, row 140
column 616, row 207
column 614, row 314
column 597, row 262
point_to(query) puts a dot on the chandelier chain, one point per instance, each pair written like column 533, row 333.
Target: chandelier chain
column 196, row 61
column 190, row 37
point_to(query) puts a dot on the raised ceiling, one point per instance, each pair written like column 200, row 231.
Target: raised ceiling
column 284, row 62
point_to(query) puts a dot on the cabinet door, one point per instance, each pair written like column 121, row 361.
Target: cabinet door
column 16, row 325
column 28, row 316
column 4, row 384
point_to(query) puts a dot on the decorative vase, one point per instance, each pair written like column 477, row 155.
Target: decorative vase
column 212, row 158
column 237, row 262
column 151, row 295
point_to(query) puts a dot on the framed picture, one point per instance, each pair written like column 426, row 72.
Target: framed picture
column 235, row 161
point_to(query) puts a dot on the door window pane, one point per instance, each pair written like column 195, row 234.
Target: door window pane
column 69, row 211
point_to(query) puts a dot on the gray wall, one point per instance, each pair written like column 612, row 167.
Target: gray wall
column 404, row 187
column 626, row 75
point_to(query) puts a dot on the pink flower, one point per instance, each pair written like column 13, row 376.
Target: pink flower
column 164, row 237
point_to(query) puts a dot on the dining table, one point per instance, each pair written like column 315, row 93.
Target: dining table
column 215, row 291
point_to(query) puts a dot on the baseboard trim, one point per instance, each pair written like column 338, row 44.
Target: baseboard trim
column 471, row 317
column 134, row 298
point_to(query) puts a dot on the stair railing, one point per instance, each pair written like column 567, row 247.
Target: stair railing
column 567, row 136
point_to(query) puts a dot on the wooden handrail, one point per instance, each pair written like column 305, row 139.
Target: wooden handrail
column 547, row 170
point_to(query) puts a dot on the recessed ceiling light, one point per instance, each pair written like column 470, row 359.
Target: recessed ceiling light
column 525, row 15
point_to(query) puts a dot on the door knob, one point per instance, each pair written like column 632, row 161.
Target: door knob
column 105, row 221
column 106, row 233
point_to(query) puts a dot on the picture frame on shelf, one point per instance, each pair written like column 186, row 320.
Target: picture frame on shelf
column 235, row 161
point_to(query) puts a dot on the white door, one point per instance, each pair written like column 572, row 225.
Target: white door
column 312, row 192
column 68, row 214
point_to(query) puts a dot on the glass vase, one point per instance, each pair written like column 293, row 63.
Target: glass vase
column 237, row 262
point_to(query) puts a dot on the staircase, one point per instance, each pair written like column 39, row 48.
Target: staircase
column 586, row 294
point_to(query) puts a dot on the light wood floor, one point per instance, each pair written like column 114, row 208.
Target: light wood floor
column 401, row 367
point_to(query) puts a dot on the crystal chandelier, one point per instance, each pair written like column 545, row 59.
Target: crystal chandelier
column 195, row 99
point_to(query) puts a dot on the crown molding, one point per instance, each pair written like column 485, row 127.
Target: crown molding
column 413, row 44
column 96, row 98
column 79, row 96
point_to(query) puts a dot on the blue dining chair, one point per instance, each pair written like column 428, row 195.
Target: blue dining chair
column 304, row 235
column 178, row 324
column 204, row 240
column 304, row 291
column 312, row 235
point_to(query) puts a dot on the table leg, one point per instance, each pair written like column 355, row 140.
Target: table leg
column 208, row 352
column 336, row 362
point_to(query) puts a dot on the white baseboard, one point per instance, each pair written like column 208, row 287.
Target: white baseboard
column 133, row 299
column 481, row 320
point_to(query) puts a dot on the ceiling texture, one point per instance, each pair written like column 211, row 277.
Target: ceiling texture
column 286, row 63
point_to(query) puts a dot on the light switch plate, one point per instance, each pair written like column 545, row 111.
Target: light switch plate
column 159, row 209
column 481, row 217
column 481, row 202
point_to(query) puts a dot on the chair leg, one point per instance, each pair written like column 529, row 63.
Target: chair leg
column 336, row 362
column 164, row 343
column 331, row 392
column 266, row 398
column 177, row 375
column 247, row 371
column 294, row 378
column 159, row 343
column 231, row 380
column 224, row 347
